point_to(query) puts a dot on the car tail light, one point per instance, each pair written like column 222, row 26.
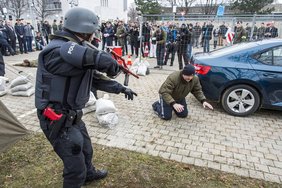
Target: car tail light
column 202, row 69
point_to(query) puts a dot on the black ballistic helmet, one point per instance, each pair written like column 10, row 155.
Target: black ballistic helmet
column 81, row 20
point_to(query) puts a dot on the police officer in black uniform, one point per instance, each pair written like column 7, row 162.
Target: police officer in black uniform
column 66, row 73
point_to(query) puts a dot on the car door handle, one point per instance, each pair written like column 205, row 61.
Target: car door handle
column 270, row 75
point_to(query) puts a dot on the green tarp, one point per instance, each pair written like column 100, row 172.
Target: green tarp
column 10, row 128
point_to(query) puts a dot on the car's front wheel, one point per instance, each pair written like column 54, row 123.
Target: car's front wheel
column 240, row 100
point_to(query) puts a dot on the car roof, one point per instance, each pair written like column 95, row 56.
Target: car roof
column 243, row 47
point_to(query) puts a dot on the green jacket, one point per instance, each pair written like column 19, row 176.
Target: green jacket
column 55, row 27
column 175, row 88
column 121, row 35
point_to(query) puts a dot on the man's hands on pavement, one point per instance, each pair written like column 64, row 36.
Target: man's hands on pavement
column 178, row 107
column 207, row 105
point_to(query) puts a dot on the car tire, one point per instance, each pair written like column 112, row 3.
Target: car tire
column 240, row 100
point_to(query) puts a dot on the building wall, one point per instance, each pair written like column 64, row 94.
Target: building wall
column 105, row 9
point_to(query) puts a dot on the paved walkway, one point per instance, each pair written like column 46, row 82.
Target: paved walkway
column 250, row 146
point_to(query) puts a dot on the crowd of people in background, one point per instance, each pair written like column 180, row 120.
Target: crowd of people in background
column 159, row 40
column 25, row 35
column 166, row 39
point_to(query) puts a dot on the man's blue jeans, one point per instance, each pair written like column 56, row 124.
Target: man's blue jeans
column 206, row 45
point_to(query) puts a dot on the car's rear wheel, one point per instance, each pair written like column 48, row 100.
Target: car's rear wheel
column 240, row 100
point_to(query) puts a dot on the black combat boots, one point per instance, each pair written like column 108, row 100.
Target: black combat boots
column 99, row 174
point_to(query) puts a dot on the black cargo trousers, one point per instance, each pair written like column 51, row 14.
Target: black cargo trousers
column 73, row 146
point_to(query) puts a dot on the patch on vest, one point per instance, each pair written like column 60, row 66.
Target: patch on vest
column 71, row 48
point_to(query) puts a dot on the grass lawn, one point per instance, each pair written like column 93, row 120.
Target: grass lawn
column 32, row 163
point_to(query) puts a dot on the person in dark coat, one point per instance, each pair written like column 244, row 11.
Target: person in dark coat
column 65, row 75
column 190, row 41
column 222, row 33
column 160, row 51
column 183, row 38
column 115, row 26
column 271, row 31
column 197, row 33
column 146, row 31
column 39, row 41
column 131, row 37
column 261, row 31
column 2, row 65
column 46, row 30
column 29, row 36
column 19, row 28
column 240, row 33
column 109, row 34
column 55, row 26
column 12, row 37
column 4, row 41
column 171, row 46
column 60, row 26
column 207, row 36
column 103, row 26
column 135, row 32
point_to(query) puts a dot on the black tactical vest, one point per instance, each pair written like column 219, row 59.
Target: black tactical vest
column 70, row 92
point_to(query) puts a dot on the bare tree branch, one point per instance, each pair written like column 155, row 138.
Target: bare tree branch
column 209, row 6
column 43, row 9
column 132, row 13
column 185, row 5
column 15, row 8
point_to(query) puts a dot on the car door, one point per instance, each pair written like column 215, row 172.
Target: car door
column 269, row 69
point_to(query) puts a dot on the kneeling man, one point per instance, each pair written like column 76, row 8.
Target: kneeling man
column 174, row 90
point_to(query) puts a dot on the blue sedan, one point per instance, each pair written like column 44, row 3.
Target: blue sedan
column 243, row 77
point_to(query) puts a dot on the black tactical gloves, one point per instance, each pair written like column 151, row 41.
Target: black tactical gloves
column 129, row 94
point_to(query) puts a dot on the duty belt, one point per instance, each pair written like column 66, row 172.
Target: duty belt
column 72, row 116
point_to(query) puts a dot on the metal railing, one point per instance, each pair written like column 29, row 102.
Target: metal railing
column 252, row 20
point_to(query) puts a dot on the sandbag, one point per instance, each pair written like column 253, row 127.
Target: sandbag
column 89, row 109
column 92, row 100
column 19, row 81
column 109, row 120
column 90, row 105
column 22, row 87
column 2, row 84
column 105, row 106
column 27, row 93
column 5, row 79
column 142, row 69
column 2, row 93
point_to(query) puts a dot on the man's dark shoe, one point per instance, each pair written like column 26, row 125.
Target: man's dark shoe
column 99, row 174
column 157, row 67
column 154, row 105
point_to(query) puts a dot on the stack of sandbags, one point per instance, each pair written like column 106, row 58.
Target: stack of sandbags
column 140, row 67
column 21, row 86
column 106, row 112
column 90, row 105
column 3, row 90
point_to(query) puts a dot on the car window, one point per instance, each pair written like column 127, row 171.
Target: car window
column 265, row 57
column 233, row 49
column 277, row 56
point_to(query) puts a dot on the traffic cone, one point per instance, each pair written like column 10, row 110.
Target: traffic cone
column 129, row 62
column 146, row 51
